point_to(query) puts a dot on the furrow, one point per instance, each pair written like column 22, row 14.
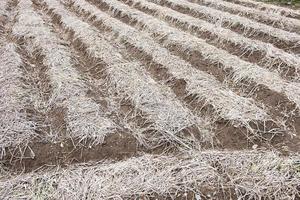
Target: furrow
column 119, row 110
column 84, row 117
column 168, row 117
column 203, row 86
column 242, row 25
column 252, row 50
column 29, row 81
column 131, row 121
column 273, row 19
column 240, row 69
column 64, row 153
column 16, row 130
column 164, row 177
column 49, row 151
column 269, row 8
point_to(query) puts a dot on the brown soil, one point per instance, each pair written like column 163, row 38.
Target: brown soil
column 287, row 46
column 122, row 144
column 251, row 5
column 251, row 16
column 222, row 127
column 65, row 151
column 127, row 108
column 229, row 137
column 196, row 59
column 115, row 147
column 52, row 118
column 261, row 94
column 160, row 74
column 33, row 64
column 256, row 57
column 69, row 152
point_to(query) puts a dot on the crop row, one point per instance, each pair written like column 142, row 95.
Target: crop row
column 248, row 26
column 166, row 115
column 273, row 19
column 242, row 174
column 270, row 53
column 240, row 69
column 84, row 117
column 204, row 86
column 269, row 8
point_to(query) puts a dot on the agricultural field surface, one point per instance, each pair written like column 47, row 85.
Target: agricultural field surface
column 149, row 100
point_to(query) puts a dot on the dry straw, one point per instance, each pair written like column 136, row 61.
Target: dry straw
column 3, row 5
column 254, row 175
column 247, row 174
column 227, row 104
column 277, row 19
column 219, row 17
column 241, row 70
column 85, row 118
column 167, row 117
column 272, row 54
column 271, row 9
column 15, row 128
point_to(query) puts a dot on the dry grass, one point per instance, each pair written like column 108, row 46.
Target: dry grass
column 70, row 64
column 15, row 128
column 166, row 116
column 165, row 175
column 219, row 17
column 85, row 118
column 272, row 54
column 277, row 19
column 269, row 8
column 227, row 104
column 3, row 5
column 241, row 70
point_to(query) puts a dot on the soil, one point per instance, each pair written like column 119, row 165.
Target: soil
column 287, row 46
column 229, row 137
column 251, row 16
column 41, row 153
column 263, row 94
column 286, row 5
column 116, row 146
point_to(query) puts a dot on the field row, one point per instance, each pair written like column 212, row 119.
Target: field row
column 235, row 175
column 270, row 8
column 243, row 25
column 152, row 99
column 249, row 49
column 241, row 70
column 274, row 19
column 83, row 116
column 136, row 94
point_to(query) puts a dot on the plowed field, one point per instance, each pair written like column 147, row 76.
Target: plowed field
column 149, row 99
